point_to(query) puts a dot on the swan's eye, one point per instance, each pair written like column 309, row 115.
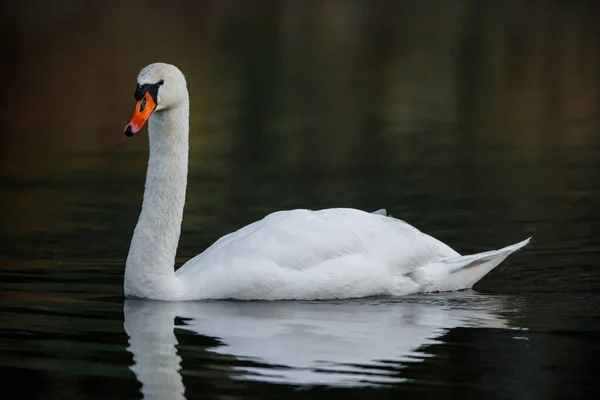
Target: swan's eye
column 161, row 82
column 139, row 92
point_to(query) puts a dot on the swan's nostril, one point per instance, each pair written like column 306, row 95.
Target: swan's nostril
column 128, row 131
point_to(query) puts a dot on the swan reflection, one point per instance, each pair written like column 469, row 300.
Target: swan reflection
column 344, row 343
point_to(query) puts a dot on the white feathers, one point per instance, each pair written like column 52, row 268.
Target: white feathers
column 380, row 212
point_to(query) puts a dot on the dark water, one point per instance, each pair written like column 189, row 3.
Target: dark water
column 477, row 121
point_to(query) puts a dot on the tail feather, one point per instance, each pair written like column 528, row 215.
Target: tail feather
column 457, row 263
column 461, row 272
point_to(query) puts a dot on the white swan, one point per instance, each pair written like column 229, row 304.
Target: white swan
column 297, row 254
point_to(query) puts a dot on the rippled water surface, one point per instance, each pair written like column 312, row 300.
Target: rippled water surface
column 478, row 122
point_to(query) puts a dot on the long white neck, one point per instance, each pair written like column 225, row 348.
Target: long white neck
column 149, row 271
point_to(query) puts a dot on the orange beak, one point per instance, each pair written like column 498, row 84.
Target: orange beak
column 141, row 113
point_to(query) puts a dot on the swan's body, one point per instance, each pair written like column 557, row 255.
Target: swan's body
column 297, row 254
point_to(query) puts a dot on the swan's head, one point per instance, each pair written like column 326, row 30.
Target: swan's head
column 159, row 87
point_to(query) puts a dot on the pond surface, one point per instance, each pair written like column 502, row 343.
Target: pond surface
column 478, row 123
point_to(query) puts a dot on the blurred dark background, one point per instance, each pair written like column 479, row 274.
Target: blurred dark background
column 478, row 121
column 470, row 119
column 478, row 113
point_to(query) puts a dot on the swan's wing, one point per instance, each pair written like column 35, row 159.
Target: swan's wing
column 304, row 239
